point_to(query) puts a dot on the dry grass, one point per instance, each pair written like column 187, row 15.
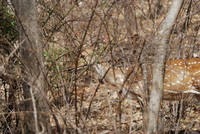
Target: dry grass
column 67, row 30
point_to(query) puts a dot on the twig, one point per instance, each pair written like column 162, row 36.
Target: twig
column 34, row 109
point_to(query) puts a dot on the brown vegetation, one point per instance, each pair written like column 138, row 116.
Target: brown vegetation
column 119, row 34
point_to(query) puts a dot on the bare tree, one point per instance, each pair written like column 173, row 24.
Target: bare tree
column 36, row 119
column 157, row 82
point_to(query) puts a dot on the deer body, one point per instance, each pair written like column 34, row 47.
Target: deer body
column 181, row 76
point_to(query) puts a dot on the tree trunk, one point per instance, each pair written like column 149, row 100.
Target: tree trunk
column 130, row 18
column 158, row 67
column 34, row 85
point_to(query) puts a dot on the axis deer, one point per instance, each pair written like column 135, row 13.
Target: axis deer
column 181, row 77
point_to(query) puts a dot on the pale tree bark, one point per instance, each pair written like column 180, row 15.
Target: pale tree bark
column 37, row 118
column 158, row 67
